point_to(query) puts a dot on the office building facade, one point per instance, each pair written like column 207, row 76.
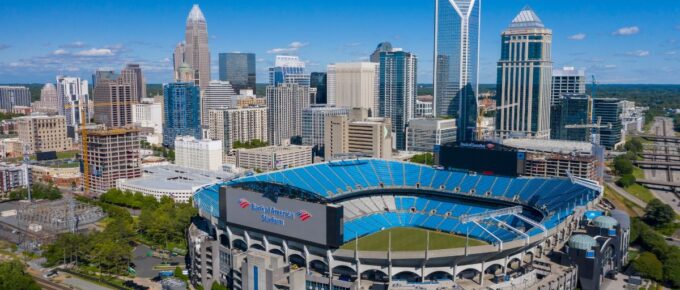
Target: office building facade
column 11, row 96
column 113, row 154
column 284, row 116
column 217, row 95
column 196, row 51
column 288, row 69
column 422, row 135
column 43, row 133
column 72, row 98
column 313, row 120
column 567, row 80
column 354, row 85
column 569, row 110
column 181, row 112
column 456, row 62
column 242, row 124
column 524, row 78
column 198, row 154
column 608, row 111
column 319, row 81
column 357, row 134
column 114, row 96
column 398, row 90
column 238, row 69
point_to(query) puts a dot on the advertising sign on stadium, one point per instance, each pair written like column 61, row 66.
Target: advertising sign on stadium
column 296, row 219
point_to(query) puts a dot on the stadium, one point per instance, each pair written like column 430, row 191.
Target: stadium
column 360, row 223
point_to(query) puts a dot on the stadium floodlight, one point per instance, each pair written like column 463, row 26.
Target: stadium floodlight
column 466, row 218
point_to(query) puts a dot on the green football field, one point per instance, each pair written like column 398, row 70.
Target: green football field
column 410, row 239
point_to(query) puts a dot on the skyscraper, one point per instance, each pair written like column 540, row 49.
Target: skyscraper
column 217, row 95
column 181, row 112
column 197, row 53
column 178, row 58
column 11, row 96
column 288, row 69
column 286, row 102
column 113, row 97
column 524, row 78
column 354, row 85
column 382, row 47
column 72, row 98
column 238, row 69
column 48, row 100
column 319, row 81
column 456, row 61
column 397, row 98
column 567, row 80
column 133, row 73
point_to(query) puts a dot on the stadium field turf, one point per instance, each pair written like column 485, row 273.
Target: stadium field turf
column 410, row 239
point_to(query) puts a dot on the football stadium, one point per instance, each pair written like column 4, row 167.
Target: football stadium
column 383, row 224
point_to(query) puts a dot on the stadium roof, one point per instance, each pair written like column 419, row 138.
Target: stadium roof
column 177, row 178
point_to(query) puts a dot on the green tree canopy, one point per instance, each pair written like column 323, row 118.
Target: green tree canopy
column 623, row 165
column 658, row 213
column 626, row 180
column 649, row 266
column 13, row 276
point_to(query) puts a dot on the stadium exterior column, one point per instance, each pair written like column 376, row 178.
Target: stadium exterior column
column 329, row 259
column 247, row 236
column 358, row 272
column 306, row 252
column 505, row 267
column 230, row 235
column 453, row 274
column 481, row 275
column 286, row 251
column 389, row 257
column 266, row 243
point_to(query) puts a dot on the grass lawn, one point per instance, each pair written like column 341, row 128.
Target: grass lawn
column 640, row 192
column 638, row 173
column 410, row 239
column 67, row 154
column 622, row 203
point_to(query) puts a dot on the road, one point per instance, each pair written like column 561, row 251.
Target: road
column 664, row 127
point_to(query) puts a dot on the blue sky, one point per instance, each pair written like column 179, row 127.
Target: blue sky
column 620, row 41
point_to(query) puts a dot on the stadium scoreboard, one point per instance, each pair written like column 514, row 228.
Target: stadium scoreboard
column 482, row 157
column 310, row 222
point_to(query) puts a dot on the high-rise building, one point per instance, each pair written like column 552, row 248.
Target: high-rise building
column 48, row 100
column 382, row 47
column 608, row 111
column 198, row 154
column 357, row 134
column 424, row 106
column 43, row 133
column 284, row 116
column 288, row 69
column 217, row 95
column 313, row 120
column 114, row 96
column 398, row 85
column 181, row 112
column 354, row 85
column 456, row 61
column 72, row 98
column 567, row 80
column 178, row 58
column 238, row 69
column 197, row 53
column 11, row 96
column 133, row 73
column 422, row 135
column 113, row 154
column 571, row 109
column 319, row 81
column 242, row 124
column 524, row 78
column 149, row 114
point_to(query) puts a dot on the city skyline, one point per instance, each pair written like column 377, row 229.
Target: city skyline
column 639, row 46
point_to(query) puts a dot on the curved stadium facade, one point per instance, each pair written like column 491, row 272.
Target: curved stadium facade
column 307, row 225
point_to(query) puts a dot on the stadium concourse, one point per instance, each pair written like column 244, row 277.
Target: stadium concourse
column 503, row 223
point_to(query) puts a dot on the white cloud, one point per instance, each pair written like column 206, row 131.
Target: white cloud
column 610, row 66
column 625, row 31
column 578, row 36
column 292, row 48
column 95, row 52
column 60, row 52
column 638, row 53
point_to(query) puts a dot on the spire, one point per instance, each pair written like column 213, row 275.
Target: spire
column 527, row 18
column 196, row 14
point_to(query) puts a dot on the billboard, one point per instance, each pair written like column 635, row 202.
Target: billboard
column 47, row 155
column 483, row 157
column 293, row 219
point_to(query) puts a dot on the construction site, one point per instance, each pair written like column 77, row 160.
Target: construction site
column 32, row 224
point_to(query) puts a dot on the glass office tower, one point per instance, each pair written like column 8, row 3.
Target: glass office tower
column 397, row 97
column 181, row 112
column 238, row 69
column 456, row 59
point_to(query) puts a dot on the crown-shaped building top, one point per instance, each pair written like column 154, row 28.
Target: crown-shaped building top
column 196, row 14
column 527, row 18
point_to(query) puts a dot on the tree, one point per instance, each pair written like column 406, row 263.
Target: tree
column 623, row 165
column 649, row 266
column 634, row 145
column 179, row 275
column 671, row 267
column 626, row 180
column 658, row 213
column 13, row 276
column 218, row 286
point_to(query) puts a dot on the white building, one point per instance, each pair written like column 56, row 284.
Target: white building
column 178, row 183
column 632, row 117
column 424, row 107
column 313, row 119
column 274, row 157
column 217, row 95
column 48, row 100
column 72, row 98
column 423, row 134
column 284, row 119
column 237, row 124
column 149, row 114
column 354, row 85
column 198, row 154
column 567, row 80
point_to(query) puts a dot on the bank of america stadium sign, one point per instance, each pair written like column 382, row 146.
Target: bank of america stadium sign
column 273, row 215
